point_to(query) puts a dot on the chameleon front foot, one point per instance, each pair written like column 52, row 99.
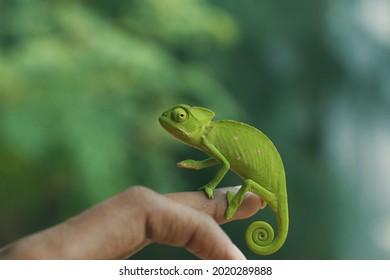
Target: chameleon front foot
column 189, row 163
column 208, row 190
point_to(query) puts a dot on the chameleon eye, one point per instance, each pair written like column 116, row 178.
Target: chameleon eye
column 179, row 115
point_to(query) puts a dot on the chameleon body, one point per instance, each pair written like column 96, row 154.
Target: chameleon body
column 246, row 151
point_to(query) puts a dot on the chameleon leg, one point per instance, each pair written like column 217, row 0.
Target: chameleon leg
column 225, row 166
column 210, row 186
column 234, row 201
column 197, row 164
column 200, row 164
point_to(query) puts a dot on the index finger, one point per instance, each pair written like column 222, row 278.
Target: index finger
column 216, row 207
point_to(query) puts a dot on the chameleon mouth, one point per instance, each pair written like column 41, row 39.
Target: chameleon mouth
column 164, row 122
column 174, row 130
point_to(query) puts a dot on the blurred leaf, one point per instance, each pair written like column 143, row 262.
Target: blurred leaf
column 82, row 85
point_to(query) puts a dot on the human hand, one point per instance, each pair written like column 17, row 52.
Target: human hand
column 122, row 225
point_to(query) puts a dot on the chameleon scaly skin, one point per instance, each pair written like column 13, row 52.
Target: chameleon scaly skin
column 246, row 151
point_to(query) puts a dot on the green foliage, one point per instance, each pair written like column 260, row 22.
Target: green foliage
column 81, row 88
column 82, row 84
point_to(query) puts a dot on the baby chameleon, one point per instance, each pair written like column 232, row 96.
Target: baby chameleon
column 246, row 151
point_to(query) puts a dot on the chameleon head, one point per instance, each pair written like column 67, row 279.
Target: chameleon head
column 186, row 123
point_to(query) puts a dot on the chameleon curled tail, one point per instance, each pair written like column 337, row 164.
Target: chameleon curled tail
column 260, row 237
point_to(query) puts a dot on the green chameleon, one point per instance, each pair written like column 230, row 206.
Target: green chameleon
column 246, row 151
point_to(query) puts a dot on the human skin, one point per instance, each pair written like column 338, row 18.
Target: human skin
column 122, row 225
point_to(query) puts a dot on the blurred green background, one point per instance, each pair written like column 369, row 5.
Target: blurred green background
column 82, row 84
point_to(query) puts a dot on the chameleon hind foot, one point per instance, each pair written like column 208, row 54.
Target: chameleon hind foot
column 234, row 202
column 232, row 206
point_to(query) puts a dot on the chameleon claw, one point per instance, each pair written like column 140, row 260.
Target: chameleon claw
column 190, row 164
column 232, row 207
column 229, row 197
column 230, row 213
column 209, row 191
